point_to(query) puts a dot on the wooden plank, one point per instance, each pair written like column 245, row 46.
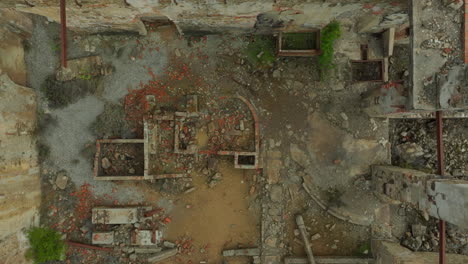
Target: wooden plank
column 305, row 238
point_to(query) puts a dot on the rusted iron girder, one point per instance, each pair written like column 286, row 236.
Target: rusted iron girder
column 63, row 33
column 75, row 244
column 441, row 171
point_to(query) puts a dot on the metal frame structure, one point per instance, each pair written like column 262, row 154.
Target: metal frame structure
column 441, row 171
column 63, row 33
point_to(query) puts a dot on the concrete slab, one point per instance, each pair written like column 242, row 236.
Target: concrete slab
column 102, row 238
column 113, row 216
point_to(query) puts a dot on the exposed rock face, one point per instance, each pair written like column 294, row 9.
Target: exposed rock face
column 212, row 16
column 19, row 171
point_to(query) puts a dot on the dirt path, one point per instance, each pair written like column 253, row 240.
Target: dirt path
column 217, row 218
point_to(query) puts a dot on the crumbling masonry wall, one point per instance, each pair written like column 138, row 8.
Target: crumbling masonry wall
column 20, row 191
column 213, row 16
column 19, row 170
column 441, row 198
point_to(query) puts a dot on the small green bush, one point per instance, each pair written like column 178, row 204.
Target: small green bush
column 328, row 36
column 46, row 244
column 364, row 249
column 261, row 51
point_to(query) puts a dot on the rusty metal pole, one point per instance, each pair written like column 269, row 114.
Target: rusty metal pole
column 63, row 33
column 80, row 245
column 441, row 171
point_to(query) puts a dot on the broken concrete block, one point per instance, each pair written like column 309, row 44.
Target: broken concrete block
column 169, row 244
column 241, row 252
column 102, row 238
column 145, row 237
column 115, row 216
column 163, row 255
column 147, row 250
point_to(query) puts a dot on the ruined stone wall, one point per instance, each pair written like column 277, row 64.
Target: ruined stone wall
column 19, row 169
column 444, row 199
column 212, row 15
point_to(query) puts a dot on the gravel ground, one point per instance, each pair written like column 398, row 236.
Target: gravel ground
column 70, row 137
column 414, row 145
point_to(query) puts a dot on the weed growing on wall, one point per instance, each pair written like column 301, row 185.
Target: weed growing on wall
column 329, row 34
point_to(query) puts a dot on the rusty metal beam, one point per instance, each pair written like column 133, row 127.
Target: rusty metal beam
column 440, row 145
column 75, row 244
column 63, row 33
column 441, row 172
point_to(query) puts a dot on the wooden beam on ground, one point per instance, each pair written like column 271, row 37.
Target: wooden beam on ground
column 305, row 238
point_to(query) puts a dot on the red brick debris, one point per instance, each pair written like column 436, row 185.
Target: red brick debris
column 86, row 201
column 136, row 102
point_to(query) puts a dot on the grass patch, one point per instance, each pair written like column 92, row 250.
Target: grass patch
column 261, row 51
column 364, row 249
column 327, row 39
column 46, row 245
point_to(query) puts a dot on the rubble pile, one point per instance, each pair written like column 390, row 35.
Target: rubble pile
column 230, row 125
column 122, row 159
column 425, row 237
column 414, row 145
column 134, row 233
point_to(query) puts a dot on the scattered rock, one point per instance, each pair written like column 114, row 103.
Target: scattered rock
column 413, row 243
column 276, row 74
column 315, row 237
column 276, row 193
column 418, row 230
column 61, row 180
column 168, row 244
column 105, row 163
column 271, row 241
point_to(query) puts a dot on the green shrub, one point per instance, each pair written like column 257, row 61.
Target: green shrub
column 328, row 36
column 261, row 51
column 46, row 244
column 364, row 249
column 59, row 94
